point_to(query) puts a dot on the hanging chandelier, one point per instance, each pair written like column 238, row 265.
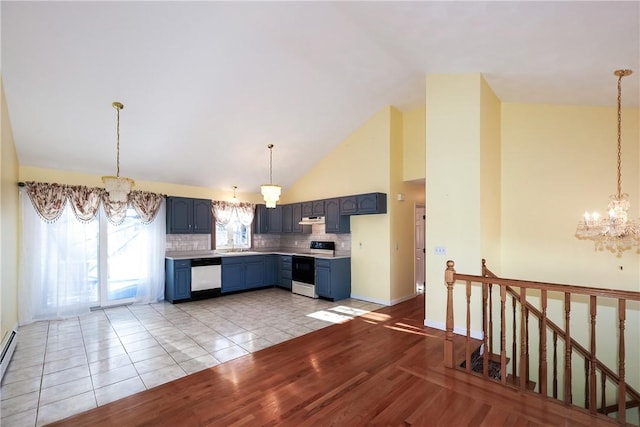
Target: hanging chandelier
column 270, row 192
column 615, row 231
column 118, row 188
column 235, row 200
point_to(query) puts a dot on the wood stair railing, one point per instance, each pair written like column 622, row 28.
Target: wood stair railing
column 627, row 397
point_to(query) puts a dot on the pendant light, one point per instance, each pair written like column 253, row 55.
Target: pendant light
column 118, row 188
column 270, row 192
column 615, row 231
column 235, row 200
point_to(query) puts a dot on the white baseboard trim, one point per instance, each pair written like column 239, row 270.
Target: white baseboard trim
column 458, row 331
column 384, row 302
column 7, row 348
column 402, row 299
column 373, row 300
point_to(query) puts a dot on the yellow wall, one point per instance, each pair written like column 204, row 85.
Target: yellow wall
column 414, row 129
column 28, row 173
column 490, row 176
column 557, row 162
column 401, row 214
column 360, row 164
column 452, row 182
column 8, row 224
column 564, row 157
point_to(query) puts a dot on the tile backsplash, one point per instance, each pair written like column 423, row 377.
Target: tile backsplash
column 264, row 242
column 300, row 242
column 188, row 242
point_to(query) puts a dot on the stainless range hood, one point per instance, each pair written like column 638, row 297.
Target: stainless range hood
column 309, row 220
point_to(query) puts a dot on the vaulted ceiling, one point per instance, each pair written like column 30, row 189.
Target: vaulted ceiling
column 207, row 85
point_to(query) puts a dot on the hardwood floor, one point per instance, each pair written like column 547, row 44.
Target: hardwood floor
column 384, row 368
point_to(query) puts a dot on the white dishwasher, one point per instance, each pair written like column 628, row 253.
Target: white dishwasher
column 206, row 277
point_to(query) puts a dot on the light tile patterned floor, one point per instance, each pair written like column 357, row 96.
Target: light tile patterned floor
column 61, row 368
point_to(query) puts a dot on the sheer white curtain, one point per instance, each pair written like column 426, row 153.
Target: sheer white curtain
column 151, row 258
column 62, row 255
column 58, row 274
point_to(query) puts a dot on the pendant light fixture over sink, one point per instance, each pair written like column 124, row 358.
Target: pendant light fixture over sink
column 270, row 192
column 615, row 231
column 235, row 200
column 118, row 188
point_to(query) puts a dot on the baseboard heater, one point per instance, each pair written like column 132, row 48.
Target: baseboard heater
column 8, row 347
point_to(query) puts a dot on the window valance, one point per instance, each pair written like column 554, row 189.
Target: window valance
column 223, row 211
column 49, row 201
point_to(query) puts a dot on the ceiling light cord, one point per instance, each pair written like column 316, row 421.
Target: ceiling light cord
column 270, row 146
column 620, row 75
column 117, row 141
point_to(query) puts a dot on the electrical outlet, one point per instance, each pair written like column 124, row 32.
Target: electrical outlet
column 440, row 250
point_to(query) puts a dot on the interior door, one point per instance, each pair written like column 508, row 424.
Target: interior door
column 419, row 248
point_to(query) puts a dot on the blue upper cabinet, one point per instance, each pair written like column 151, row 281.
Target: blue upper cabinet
column 307, row 209
column 333, row 221
column 260, row 224
column 296, row 217
column 267, row 220
column 186, row 216
column 364, row 204
column 314, row 208
column 317, row 208
column 287, row 218
column 274, row 219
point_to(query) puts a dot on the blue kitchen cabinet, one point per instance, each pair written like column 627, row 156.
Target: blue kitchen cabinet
column 233, row 275
column 260, row 225
column 296, row 214
column 274, row 219
column 270, row 270
column 307, row 208
column 284, row 269
column 287, row 218
column 364, row 204
column 177, row 286
column 188, row 216
column 333, row 278
column 243, row 272
column 253, row 271
column 314, row 208
column 267, row 220
column 317, row 208
column 334, row 222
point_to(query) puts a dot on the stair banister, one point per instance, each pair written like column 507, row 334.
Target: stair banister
column 592, row 364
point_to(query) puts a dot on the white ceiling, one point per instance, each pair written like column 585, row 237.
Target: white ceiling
column 207, row 85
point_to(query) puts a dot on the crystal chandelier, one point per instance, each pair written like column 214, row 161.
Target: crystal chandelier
column 270, row 192
column 118, row 188
column 615, row 231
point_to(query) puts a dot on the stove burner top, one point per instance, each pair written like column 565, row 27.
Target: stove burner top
column 322, row 248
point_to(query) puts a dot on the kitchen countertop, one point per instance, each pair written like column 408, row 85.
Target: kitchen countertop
column 181, row 255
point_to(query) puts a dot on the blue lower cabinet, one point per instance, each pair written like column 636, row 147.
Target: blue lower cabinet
column 271, row 270
column 254, row 272
column 285, row 271
column 243, row 272
column 333, row 278
column 177, row 285
column 233, row 277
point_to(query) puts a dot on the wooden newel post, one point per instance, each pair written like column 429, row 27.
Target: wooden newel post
column 448, row 339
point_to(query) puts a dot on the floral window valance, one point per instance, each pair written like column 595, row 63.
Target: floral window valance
column 49, row 201
column 223, row 211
